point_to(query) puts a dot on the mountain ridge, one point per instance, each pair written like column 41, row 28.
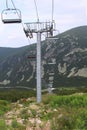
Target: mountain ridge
column 68, row 52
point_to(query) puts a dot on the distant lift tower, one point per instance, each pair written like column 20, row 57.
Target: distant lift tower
column 39, row 28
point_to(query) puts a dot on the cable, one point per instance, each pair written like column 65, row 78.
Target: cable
column 17, row 14
column 7, row 4
column 29, row 40
column 15, row 8
column 36, row 10
column 16, row 11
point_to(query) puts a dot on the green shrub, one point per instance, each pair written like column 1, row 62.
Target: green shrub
column 1, row 112
column 13, row 95
column 69, row 121
column 24, row 114
column 17, row 126
column 69, row 101
column 3, row 125
column 4, row 107
column 14, row 124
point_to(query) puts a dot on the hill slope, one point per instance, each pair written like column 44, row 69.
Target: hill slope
column 64, row 62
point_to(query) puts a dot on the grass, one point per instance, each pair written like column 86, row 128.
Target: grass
column 17, row 126
column 68, row 101
column 65, row 112
column 4, row 107
column 13, row 95
column 3, row 125
column 71, row 111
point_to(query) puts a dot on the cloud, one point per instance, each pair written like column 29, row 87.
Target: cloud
column 67, row 14
column 86, row 7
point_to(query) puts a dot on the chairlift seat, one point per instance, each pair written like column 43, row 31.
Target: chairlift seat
column 9, row 16
column 31, row 57
column 11, row 21
column 52, row 38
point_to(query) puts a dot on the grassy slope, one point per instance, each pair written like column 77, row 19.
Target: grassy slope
column 6, row 52
column 63, row 112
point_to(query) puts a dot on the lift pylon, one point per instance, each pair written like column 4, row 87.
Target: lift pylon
column 39, row 28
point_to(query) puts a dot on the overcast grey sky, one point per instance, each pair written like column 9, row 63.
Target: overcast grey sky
column 67, row 14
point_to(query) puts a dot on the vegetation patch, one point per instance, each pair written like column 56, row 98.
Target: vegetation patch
column 55, row 112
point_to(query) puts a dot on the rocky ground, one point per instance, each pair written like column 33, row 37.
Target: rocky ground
column 28, row 114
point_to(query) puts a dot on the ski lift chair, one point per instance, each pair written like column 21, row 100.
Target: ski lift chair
column 11, row 16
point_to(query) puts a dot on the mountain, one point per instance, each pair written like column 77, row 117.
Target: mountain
column 64, row 62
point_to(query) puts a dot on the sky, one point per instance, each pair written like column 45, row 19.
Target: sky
column 67, row 14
